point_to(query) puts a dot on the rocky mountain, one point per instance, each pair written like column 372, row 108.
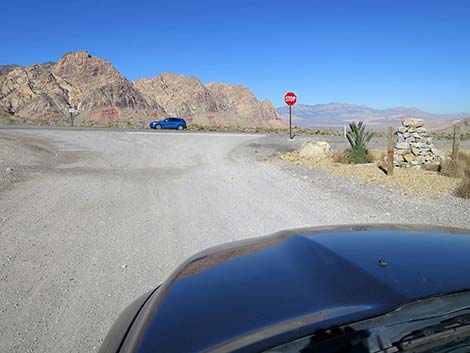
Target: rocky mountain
column 43, row 93
column 210, row 104
column 4, row 69
column 180, row 95
column 464, row 127
column 337, row 114
column 243, row 103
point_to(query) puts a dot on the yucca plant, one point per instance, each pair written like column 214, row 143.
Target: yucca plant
column 358, row 137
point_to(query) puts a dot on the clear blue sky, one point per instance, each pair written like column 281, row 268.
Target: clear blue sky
column 382, row 53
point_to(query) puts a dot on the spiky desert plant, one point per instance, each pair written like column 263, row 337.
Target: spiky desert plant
column 358, row 138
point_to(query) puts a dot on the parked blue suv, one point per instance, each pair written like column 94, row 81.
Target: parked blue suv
column 169, row 123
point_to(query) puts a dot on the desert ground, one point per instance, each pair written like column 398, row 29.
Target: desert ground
column 92, row 218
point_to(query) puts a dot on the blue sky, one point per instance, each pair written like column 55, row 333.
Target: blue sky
column 382, row 53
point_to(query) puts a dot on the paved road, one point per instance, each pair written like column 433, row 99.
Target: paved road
column 106, row 215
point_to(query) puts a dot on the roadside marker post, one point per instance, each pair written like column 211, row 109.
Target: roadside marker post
column 71, row 111
column 390, row 152
column 290, row 98
column 456, row 143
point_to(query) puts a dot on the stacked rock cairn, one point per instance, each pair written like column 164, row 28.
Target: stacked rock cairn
column 413, row 145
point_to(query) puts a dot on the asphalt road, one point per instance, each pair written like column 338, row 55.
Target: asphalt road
column 103, row 216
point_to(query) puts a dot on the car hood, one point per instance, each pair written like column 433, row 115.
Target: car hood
column 255, row 294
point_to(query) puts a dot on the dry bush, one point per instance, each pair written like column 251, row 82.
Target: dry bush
column 464, row 155
column 464, row 189
column 454, row 169
column 431, row 167
column 376, row 155
column 345, row 157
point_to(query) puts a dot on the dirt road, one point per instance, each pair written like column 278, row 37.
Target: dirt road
column 98, row 217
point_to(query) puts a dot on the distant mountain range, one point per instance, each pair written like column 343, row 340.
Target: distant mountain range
column 335, row 115
column 43, row 93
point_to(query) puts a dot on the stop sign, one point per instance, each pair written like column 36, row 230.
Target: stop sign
column 290, row 98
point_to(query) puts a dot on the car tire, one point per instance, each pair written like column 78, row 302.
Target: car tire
column 158, row 127
column 180, row 127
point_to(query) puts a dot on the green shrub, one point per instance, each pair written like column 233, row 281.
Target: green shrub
column 358, row 137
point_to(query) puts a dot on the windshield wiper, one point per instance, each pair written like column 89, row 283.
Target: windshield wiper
column 443, row 332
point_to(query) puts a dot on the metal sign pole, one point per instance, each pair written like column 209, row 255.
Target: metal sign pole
column 71, row 112
column 290, row 98
column 290, row 122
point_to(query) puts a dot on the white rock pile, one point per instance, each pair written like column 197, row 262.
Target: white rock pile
column 413, row 145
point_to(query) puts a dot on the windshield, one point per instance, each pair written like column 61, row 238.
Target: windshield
column 434, row 325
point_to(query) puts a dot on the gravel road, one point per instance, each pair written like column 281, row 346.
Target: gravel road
column 94, row 218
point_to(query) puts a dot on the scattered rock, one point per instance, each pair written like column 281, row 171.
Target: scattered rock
column 315, row 150
column 402, row 146
column 413, row 123
column 409, row 157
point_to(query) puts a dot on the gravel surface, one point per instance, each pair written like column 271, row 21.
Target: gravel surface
column 408, row 179
column 96, row 218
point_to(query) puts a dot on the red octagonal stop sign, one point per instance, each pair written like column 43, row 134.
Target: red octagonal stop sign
column 290, row 98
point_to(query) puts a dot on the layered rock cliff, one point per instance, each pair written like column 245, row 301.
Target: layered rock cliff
column 210, row 104
column 101, row 95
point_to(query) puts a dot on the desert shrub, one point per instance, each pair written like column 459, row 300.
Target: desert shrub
column 453, row 169
column 196, row 127
column 358, row 138
column 464, row 189
column 345, row 157
column 375, row 155
column 464, row 155
column 431, row 167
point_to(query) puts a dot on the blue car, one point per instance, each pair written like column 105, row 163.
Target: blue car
column 169, row 123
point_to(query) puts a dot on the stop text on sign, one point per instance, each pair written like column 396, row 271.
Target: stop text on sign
column 290, row 98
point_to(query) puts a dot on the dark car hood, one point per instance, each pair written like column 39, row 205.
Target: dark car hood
column 255, row 294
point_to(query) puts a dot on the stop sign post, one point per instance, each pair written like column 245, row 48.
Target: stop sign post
column 290, row 99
